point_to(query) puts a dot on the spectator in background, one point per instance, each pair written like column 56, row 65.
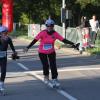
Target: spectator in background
column 84, row 43
column 94, row 24
column 84, row 22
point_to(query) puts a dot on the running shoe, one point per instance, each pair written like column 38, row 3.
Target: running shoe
column 46, row 79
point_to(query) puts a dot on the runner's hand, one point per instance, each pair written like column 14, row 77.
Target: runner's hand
column 75, row 46
column 25, row 50
column 15, row 56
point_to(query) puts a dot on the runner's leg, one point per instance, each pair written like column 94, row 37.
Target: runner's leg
column 44, row 61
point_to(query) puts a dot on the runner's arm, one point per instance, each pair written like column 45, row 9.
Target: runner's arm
column 69, row 42
column 32, row 43
column 14, row 55
column 11, row 45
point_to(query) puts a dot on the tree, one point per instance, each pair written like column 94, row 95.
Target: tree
column 39, row 10
column 89, row 7
column 84, row 3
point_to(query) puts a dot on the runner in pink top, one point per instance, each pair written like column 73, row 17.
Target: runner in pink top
column 46, row 50
column 47, row 41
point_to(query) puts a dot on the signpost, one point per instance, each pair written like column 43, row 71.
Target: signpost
column 63, row 16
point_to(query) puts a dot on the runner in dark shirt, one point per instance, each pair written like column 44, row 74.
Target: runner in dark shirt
column 5, row 40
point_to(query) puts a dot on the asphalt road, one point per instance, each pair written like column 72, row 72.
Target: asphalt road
column 78, row 74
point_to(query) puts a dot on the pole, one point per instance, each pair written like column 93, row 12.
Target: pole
column 63, row 23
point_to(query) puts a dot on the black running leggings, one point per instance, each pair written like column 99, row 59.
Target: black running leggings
column 3, row 65
column 49, row 60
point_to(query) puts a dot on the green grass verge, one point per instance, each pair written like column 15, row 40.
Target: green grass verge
column 93, row 51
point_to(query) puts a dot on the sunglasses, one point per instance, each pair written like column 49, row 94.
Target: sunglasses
column 51, row 25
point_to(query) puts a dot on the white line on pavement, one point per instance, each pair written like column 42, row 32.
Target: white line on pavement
column 69, row 69
column 77, row 69
column 62, row 92
column 22, row 66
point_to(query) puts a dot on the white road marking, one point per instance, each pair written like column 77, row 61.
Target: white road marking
column 67, row 69
column 22, row 66
column 60, row 91
column 77, row 69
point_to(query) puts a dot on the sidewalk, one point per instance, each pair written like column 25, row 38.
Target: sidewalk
column 74, row 52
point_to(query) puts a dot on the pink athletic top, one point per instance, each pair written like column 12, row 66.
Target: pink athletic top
column 47, row 41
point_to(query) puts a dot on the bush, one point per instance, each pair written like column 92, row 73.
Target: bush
column 19, row 33
column 94, row 50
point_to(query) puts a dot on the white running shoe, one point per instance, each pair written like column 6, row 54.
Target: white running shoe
column 46, row 79
column 1, row 86
column 55, row 83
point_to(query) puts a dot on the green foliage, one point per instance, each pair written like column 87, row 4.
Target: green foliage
column 19, row 33
column 24, row 18
column 84, row 3
column 95, row 2
column 37, row 11
column 94, row 50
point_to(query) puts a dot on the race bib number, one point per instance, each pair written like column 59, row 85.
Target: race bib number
column 47, row 46
column 2, row 54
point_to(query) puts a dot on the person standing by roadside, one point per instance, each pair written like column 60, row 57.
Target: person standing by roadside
column 94, row 24
column 47, row 52
column 85, row 37
column 5, row 40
